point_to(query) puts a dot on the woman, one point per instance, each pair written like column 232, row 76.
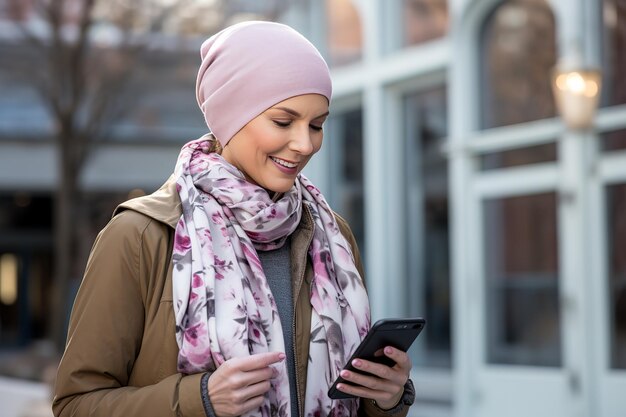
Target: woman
column 233, row 289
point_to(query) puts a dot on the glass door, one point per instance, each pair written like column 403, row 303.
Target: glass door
column 608, row 286
column 516, row 252
column 521, row 353
column 521, row 261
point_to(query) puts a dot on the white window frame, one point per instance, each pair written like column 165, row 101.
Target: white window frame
column 380, row 80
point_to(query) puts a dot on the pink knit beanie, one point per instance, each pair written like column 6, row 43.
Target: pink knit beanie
column 249, row 67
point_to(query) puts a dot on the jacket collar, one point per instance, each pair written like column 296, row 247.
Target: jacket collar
column 163, row 205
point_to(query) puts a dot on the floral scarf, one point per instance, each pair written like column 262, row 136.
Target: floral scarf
column 223, row 304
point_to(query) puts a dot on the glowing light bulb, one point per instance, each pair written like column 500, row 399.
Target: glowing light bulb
column 575, row 83
column 577, row 94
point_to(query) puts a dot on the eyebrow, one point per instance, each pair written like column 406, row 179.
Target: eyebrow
column 296, row 114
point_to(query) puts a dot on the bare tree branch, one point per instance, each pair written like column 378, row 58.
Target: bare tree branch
column 86, row 88
column 78, row 55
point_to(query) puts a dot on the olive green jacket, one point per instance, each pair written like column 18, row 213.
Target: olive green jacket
column 121, row 353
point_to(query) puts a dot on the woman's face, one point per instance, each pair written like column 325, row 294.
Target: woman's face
column 277, row 144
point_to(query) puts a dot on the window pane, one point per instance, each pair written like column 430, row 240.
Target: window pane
column 518, row 157
column 25, row 265
column 166, row 112
column 616, row 227
column 614, row 51
column 428, row 224
column 521, row 272
column 346, row 160
column 345, row 42
column 614, row 141
column 423, row 20
column 518, row 55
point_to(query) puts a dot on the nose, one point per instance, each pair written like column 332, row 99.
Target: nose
column 302, row 142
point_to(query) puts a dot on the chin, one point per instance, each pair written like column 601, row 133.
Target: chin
column 279, row 188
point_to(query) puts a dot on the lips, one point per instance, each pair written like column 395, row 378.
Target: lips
column 282, row 162
column 286, row 167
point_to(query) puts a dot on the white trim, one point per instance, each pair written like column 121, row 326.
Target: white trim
column 512, row 137
column 597, row 284
column 371, row 29
column 533, row 133
column 462, row 279
column 462, row 115
column 612, row 167
column 611, row 118
column 524, row 180
column 576, row 153
column 383, row 203
column 391, row 34
column 418, row 83
column 401, row 65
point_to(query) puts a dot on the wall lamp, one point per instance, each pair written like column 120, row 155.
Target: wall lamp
column 577, row 93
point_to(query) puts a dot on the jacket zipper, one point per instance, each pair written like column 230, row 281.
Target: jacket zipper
column 295, row 356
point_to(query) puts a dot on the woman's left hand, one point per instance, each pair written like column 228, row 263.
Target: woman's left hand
column 384, row 384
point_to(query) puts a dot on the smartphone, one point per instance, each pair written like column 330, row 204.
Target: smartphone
column 399, row 333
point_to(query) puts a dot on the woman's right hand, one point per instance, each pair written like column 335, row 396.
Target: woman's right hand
column 239, row 384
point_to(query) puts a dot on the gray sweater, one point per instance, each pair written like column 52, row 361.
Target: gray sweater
column 277, row 267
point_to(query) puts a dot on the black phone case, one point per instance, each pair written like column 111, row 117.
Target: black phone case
column 399, row 333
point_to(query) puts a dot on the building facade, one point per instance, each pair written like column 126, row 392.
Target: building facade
column 473, row 204
column 482, row 211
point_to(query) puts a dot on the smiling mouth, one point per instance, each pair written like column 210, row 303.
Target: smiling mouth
column 283, row 162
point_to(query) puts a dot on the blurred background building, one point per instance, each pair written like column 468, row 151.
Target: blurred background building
column 474, row 204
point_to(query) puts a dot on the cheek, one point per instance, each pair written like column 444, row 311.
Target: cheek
column 269, row 140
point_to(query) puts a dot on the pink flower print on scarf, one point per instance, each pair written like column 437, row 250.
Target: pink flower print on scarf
column 223, row 305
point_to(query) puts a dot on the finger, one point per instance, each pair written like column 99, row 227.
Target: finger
column 258, row 361
column 256, row 376
column 364, row 392
column 254, row 390
column 381, row 371
column 401, row 358
column 252, row 404
column 368, row 381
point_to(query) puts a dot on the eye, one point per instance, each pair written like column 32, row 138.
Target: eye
column 281, row 123
column 316, row 128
